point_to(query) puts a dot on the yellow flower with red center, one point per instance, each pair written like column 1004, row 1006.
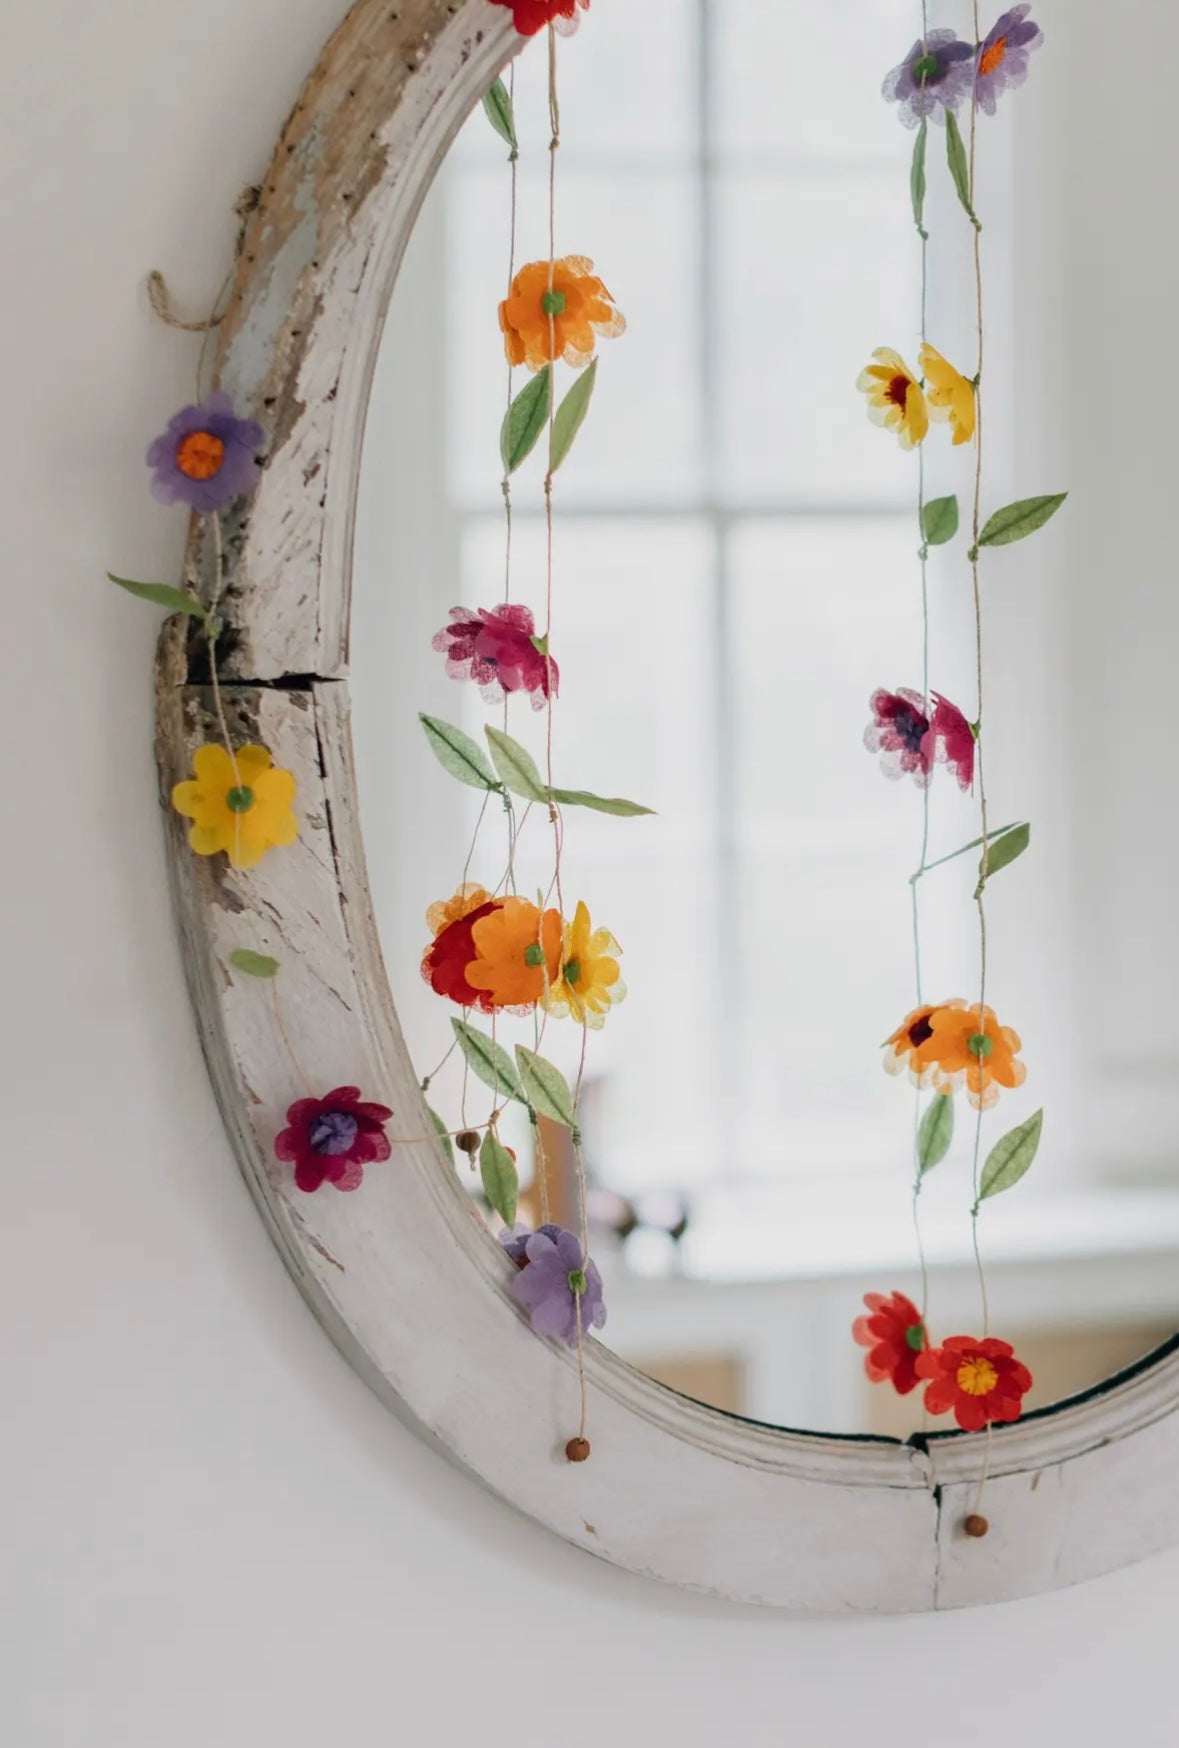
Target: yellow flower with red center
column 562, row 317
column 895, row 397
column 949, row 393
column 590, row 982
column 239, row 803
column 517, row 954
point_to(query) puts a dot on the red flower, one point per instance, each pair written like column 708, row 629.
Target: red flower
column 982, row 1381
column 498, row 648
column 451, row 953
column 903, row 733
column 895, row 1336
column 529, row 16
column 331, row 1140
column 955, row 740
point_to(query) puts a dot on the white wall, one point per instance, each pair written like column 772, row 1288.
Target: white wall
column 212, row 1537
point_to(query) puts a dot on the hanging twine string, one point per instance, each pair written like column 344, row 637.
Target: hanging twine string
column 976, row 518
column 915, row 882
column 976, row 1524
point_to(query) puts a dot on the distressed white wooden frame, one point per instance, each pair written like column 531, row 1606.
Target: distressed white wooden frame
column 403, row 1275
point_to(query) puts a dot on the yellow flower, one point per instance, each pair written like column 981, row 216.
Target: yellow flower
column 950, row 395
column 895, row 398
column 590, row 981
column 241, row 805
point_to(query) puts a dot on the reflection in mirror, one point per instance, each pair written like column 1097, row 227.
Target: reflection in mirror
column 736, row 576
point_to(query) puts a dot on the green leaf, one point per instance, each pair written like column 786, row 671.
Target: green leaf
column 525, row 419
column 443, row 1133
column 457, row 753
column 600, row 803
column 501, row 1181
column 515, row 766
column 939, row 521
column 546, row 1088
column 488, row 1060
column 253, row 964
column 1001, row 852
column 497, row 106
column 959, row 166
column 160, row 595
column 571, row 416
column 972, row 845
column 917, row 178
column 935, row 1133
column 1016, row 521
column 1009, row 1159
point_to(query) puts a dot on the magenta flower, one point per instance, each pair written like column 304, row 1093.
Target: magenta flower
column 556, row 1284
column 903, row 734
column 206, row 456
column 498, row 648
column 1003, row 56
column 934, row 76
column 955, row 740
column 331, row 1140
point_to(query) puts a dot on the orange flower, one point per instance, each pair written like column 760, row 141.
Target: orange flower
column 517, row 954
column 909, row 1047
column 452, row 910
column 540, row 325
column 983, row 1053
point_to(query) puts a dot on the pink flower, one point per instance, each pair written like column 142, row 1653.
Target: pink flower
column 331, row 1140
column 498, row 648
column 902, row 733
column 955, row 740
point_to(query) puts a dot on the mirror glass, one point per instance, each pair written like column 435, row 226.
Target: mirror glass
column 736, row 574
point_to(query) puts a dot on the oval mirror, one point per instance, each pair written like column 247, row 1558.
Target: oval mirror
column 763, row 607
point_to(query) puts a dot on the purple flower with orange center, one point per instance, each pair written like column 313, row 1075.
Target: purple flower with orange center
column 934, row 76
column 1003, row 56
column 902, row 733
column 206, row 456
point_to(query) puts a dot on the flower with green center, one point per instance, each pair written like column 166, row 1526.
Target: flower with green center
column 934, row 76
column 240, row 803
column 590, row 983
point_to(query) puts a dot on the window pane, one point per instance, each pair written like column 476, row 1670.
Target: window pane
column 814, row 273
column 801, row 80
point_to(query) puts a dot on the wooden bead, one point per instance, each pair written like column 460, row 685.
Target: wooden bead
column 976, row 1525
column 577, row 1450
column 467, row 1142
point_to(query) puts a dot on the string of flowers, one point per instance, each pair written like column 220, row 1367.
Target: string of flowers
column 494, row 952
column 951, row 1044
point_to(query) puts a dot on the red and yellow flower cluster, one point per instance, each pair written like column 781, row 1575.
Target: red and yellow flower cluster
column 945, row 1045
column 505, row 953
column 980, row 1379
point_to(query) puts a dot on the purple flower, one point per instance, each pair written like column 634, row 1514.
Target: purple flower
column 515, row 1243
column 934, row 75
column 903, row 733
column 556, row 1282
column 1003, row 57
column 206, row 456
